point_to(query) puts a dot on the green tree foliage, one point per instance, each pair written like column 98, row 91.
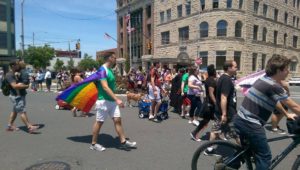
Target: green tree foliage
column 59, row 64
column 39, row 57
column 87, row 63
column 70, row 64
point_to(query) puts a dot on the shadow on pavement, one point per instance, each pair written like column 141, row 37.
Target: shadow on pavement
column 103, row 139
column 25, row 129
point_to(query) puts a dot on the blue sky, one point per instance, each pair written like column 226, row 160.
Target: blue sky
column 60, row 21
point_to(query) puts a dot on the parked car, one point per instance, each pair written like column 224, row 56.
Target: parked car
column 294, row 81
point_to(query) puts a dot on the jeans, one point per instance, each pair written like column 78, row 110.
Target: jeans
column 195, row 102
column 256, row 136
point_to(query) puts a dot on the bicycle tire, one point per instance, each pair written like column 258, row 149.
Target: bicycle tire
column 296, row 165
column 230, row 145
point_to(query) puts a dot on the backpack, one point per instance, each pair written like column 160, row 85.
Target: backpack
column 5, row 87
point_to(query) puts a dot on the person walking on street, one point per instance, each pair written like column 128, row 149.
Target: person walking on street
column 48, row 79
column 108, row 105
column 18, row 99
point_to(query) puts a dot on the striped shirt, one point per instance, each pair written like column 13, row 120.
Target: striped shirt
column 261, row 100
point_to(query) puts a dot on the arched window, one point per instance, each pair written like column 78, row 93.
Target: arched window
column 238, row 29
column 284, row 39
column 264, row 35
column 222, row 28
column 203, row 29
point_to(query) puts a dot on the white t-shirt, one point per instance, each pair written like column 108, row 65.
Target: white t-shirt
column 196, row 82
column 48, row 75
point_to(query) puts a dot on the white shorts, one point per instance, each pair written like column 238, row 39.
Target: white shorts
column 106, row 108
column 151, row 94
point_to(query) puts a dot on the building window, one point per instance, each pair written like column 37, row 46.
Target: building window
column 264, row 35
column 297, row 25
column 183, row 34
column 284, row 39
column 202, row 4
column 275, row 37
column 295, row 41
column 254, row 61
column 179, row 11
column 204, row 29
column 241, row 4
column 188, row 8
column 255, row 32
column 238, row 29
column 220, row 59
column 215, row 4
column 165, row 37
column 276, row 14
column 3, row 39
column 237, row 59
column 222, row 28
column 294, row 21
column 162, row 17
column 3, row 12
column 121, row 22
column 148, row 10
column 263, row 61
column 169, row 15
column 293, row 66
column 286, row 1
column 294, row 3
column 203, row 55
column 286, row 18
column 265, row 10
column 298, row 4
column 121, row 38
column 256, row 5
column 229, row 3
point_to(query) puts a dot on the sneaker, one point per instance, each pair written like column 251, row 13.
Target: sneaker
column 151, row 117
column 97, row 147
column 190, row 122
column 210, row 152
column 128, row 144
column 278, row 130
column 195, row 138
column 195, row 122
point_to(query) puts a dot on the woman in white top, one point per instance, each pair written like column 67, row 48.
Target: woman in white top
column 194, row 93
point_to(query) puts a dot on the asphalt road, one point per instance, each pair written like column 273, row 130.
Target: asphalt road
column 161, row 146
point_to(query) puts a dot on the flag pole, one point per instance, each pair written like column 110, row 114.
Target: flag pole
column 130, row 58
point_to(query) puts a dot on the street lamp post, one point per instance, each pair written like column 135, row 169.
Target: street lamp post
column 22, row 28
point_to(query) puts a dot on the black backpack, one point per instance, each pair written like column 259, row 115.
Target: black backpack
column 5, row 87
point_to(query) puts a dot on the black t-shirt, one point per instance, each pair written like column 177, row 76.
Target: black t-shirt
column 10, row 76
column 226, row 86
column 210, row 82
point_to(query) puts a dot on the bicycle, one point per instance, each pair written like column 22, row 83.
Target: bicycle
column 229, row 155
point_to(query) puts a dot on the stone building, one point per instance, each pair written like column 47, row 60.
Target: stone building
column 134, row 42
column 247, row 31
column 7, row 32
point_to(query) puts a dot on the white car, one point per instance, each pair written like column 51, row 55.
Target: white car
column 294, row 81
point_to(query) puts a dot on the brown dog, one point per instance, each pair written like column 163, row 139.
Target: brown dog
column 133, row 96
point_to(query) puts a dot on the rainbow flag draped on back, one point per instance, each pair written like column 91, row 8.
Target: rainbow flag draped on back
column 82, row 95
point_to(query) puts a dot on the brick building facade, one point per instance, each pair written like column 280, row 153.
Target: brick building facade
column 247, row 31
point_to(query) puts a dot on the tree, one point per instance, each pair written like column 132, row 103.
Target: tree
column 70, row 64
column 58, row 65
column 39, row 57
column 87, row 63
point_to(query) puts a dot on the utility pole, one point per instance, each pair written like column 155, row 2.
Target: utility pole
column 22, row 27
column 33, row 39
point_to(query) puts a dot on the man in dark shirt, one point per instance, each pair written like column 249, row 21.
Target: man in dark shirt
column 17, row 96
column 263, row 97
column 225, row 103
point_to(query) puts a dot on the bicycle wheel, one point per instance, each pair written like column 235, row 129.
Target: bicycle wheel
column 220, row 154
column 296, row 165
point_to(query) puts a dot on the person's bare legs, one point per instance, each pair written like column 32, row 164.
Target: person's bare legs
column 96, row 129
column 12, row 118
column 153, row 104
column 119, row 129
column 156, row 108
column 275, row 119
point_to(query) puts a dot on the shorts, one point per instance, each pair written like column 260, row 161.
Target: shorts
column 185, row 100
column 19, row 103
column 105, row 108
column 151, row 94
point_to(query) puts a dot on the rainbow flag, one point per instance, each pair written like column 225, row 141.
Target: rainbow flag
column 82, row 95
